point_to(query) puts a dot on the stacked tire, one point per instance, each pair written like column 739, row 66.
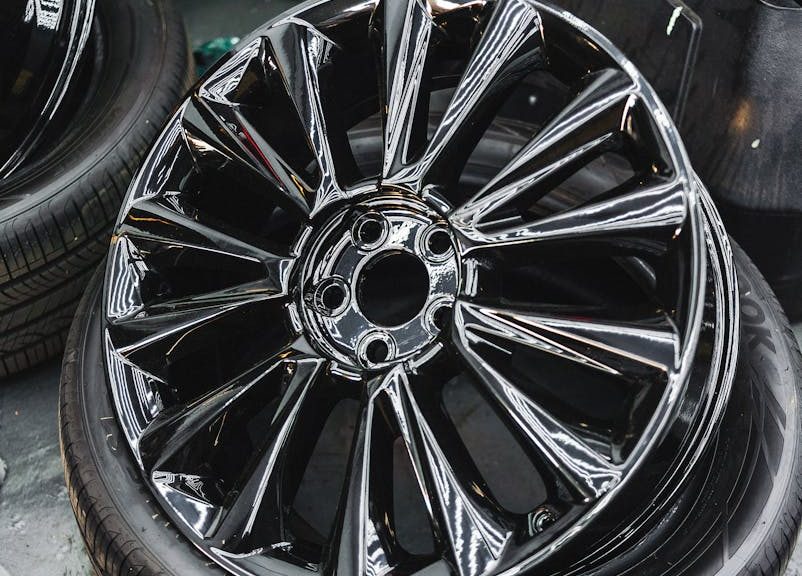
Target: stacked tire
column 57, row 209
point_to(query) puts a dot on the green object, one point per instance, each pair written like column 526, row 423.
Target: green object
column 211, row 51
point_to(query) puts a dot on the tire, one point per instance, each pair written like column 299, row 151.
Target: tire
column 122, row 526
column 754, row 467
column 56, row 213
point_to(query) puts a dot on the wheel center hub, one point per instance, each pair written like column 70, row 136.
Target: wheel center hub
column 378, row 282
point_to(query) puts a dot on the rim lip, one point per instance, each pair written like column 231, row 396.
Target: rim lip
column 671, row 401
column 80, row 25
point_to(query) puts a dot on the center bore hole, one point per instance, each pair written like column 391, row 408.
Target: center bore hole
column 333, row 296
column 393, row 289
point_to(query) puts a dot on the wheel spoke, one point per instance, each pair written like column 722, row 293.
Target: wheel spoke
column 154, row 342
column 357, row 547
column 626, row 350
column 583, row 469
column 221, row 138
column 243, row 293
column 212, row 144
column 171, row 430
column 407, row 36
column 462, row 514
column 300, row 50
column 495, row 65
column 648, row 211
column 154, row 221
column 167, row 167
column 239, row 517
column 583, row 129
column 223, row 84
column 159, row 260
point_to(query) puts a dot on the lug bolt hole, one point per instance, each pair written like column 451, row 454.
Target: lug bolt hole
column 440, row 317
column 375, row 349
column 435, row 244
column 369, row 231
column 377, row 352
column 439, row 243
column 331, row 296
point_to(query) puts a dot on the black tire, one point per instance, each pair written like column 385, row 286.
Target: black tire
column 739, row 515
column 56, row 213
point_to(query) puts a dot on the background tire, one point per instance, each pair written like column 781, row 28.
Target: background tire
column 739, row 515
column 56, row 212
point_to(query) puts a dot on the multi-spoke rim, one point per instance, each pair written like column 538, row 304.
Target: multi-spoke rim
column 239, row 279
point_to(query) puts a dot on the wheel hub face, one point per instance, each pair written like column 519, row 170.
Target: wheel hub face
column 391, row 272
column 294, row 246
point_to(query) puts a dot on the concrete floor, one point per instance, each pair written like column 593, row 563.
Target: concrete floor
column 38, row 534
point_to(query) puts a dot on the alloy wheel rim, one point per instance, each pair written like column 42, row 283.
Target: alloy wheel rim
column 211, row 311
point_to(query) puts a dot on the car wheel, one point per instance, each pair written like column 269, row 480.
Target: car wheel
column 363, row 319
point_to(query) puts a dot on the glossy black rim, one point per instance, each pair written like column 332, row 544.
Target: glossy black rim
column 278, row 259
column 47, row 40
